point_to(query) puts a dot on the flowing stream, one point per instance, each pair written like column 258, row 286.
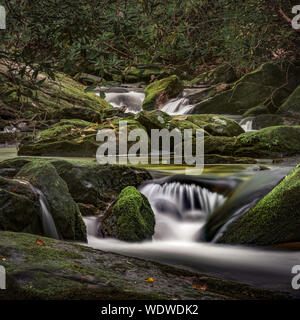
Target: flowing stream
column 182, row 208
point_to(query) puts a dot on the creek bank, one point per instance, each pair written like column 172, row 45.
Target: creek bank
column 55, row 270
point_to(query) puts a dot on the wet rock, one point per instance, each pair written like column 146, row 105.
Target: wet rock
column 275, row 219
column 64, row 271
column 130, row 218
column 269, row 85
column 217, row 125
column 19, row 207
column 292, row 104
column 158, row 92
column 269, row 142
column 64, row 210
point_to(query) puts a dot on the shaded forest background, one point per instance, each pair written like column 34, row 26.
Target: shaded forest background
column 105, row 38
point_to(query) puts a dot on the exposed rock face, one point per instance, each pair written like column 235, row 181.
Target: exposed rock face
column 64, row 210
column 68, row 186
column 221, row 74
column 131, row 217
column 19, row 207
column 268, row 85
column 60, row 270
column 292, row 104
column 275, row 219
column 158, row 92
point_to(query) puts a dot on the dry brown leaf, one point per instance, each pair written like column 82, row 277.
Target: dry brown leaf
column 40, row 242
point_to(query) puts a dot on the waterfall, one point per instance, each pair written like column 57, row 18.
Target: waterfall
column 48, row 224
column 178, row 106
column 131, row 100
column 180, row 209
column 247, row 124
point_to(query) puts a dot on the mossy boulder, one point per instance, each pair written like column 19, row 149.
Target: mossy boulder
column 144, row 73
column 62, row 98
column 158, row 92
column 66, row 138
column 66, row 271
column 275, row 219
column 255, row 111
column 221, row 74
column 131, row 217
column 64, row 210
column 72, row 138
column 270, row 120
column 269, row 85
column 292, row 104
column 153, row 120
column 93, row 186
column 19, row 207
column 269, row 142
column 216, row 125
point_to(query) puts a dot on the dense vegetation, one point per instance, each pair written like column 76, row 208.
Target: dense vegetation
column 107, row 37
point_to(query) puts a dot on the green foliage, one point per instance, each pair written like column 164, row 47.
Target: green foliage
column 107, row 37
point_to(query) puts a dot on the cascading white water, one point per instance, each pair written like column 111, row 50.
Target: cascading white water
column 48, row 224
column 131, row 100
column 180, row 209
column 178, row 106
column 247, row 124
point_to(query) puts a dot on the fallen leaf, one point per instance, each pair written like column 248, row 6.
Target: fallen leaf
column 40, row 242
column 151, row 280
column 200, row 287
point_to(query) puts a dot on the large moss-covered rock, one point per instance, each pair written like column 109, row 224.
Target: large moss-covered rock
column 72, row 138
column 217, row 125
column 64, row 210
column 66, row 138
column 275, row 219
column 269, row 142
column 292, row 104
column 19, row 207
column 269, row 85
column 270, row 120
column 144, row 73
column 153, row 120
column 158, row 92
column 93, row 186
column 221, row 74
column 62, row 98
column 131, row 217
column 66, row 271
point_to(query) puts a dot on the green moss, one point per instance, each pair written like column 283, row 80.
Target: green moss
column 271, row 141
column 64, row 210
column 266, row 85
column 131, row 218
column 255, row 111
column 63, row 98
column 158, row 92
column 275, row 219
column 217, row 125
column 292, row 104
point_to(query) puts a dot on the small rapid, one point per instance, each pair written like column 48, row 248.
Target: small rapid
column 182, row 210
